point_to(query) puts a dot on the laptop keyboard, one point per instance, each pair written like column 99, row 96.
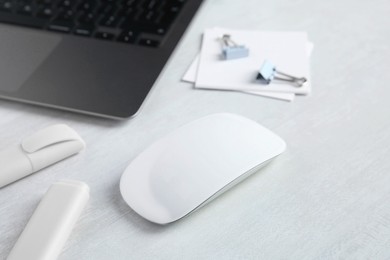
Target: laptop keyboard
column 143, row 22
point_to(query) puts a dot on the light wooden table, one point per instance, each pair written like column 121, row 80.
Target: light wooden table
column 326, row 197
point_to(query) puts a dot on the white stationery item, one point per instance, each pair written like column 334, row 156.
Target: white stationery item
column 52, row 222
column 38, row 151
column 287, row 50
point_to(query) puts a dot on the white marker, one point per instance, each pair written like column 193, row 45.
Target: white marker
column 38, row 151
column 52, row 222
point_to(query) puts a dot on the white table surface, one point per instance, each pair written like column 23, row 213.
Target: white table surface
column 326, row 197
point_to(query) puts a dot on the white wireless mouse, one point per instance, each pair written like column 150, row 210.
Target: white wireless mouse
column 194, row 164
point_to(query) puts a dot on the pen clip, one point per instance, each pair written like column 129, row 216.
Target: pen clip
column 49, row 136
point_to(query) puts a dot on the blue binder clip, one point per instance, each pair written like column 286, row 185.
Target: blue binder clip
column 231, row 50
column 268, row 73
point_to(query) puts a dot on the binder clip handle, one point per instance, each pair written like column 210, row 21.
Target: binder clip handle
column 297, row 81
column 268, row 73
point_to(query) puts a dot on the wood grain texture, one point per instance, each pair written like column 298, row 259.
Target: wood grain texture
column 326, row 197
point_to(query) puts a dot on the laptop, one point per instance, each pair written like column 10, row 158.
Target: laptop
column 99, row 57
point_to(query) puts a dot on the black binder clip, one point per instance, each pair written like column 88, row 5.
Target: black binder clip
column 268, row 73
column 231, row 50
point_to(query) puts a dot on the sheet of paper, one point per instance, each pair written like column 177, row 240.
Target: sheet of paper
column 287, row 50
column 190, row 76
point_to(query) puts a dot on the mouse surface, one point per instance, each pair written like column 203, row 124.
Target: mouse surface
column 194, row 164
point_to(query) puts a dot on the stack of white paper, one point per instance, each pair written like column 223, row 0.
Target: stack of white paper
column 288, row 51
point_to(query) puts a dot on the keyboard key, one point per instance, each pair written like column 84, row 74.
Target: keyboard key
column 149, row 42
column 106, row 8
column 105, row 35
column 45, row 12
column 147, row 17
column 44, row 2
column 61, row 26
column 6, row 6
column 152, row 4
column 87, row 6
column 66, row 15
column 109, row 20
column 122, row 16
column 161, row 30
column 128, row 36
column 174, row 9
column 84, row 30
column 26, row 9
column 88, row 18
column 145, row 27
column 67, row 3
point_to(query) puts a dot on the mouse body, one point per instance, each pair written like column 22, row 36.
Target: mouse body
column 194, row 164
